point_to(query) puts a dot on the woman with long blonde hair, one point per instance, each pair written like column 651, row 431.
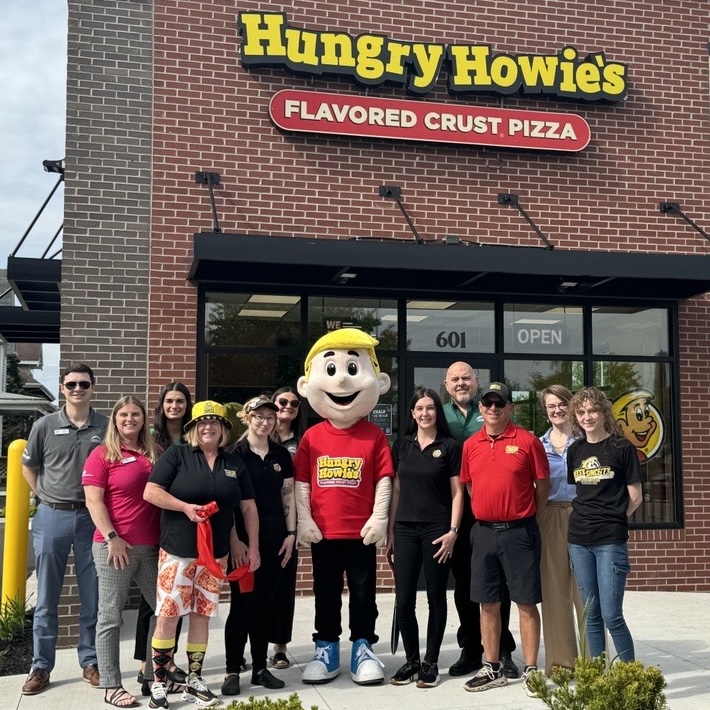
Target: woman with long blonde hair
column 127, row 529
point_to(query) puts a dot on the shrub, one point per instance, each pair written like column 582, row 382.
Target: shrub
column 625, row 685
column 293, row 702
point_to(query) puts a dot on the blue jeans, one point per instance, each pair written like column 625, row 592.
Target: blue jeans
column 54, row 534
column 600, row 571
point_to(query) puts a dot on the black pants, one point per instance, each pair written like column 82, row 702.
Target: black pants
column 412, row 551
column 142, row 624
column 284, row 603
column 469, row 631
column 250, row 613
column 332, row 559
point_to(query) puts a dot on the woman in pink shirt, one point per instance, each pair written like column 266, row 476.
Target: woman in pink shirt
column 127, row 532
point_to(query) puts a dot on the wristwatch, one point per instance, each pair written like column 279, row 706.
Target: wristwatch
column 111, row 535
column 454, row 529
column 290, row 532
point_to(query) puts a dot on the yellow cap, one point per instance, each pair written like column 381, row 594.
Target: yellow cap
column 208, row 410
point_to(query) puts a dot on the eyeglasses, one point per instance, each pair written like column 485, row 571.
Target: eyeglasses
column 494, row 404
column 552, row 407
column 261, row 418
column 289, row 403
column 84, row 384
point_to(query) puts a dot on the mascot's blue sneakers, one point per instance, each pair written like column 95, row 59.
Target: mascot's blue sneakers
column 325, row 663
column 365, row 667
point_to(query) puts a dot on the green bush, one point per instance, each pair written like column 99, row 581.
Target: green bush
column 624, row 685
column 293, row 702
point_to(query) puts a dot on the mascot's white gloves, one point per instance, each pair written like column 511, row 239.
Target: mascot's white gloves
column 307, row 530
column 375, row 529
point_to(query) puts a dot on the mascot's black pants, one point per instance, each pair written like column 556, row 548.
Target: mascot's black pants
column 332, row 559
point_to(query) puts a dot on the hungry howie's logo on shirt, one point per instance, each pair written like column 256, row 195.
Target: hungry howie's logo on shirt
column 591, row 472
column 339, row 471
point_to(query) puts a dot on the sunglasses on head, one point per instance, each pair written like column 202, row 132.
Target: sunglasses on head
column 83, row 384
column 286, row 402
column 494, row 403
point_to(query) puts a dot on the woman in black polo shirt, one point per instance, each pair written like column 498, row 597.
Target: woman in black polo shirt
column 425, row 512
column 271, row 473
column 184, row 480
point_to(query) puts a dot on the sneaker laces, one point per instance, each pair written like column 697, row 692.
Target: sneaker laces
column 158, row 690
column 487, row 670
column 196, row 683
column 321, row 654
column 365, row 653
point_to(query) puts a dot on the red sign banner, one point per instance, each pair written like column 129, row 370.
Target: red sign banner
column 397, row 119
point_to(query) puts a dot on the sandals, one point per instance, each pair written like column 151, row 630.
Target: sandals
column 120, row 698
column 280, row 661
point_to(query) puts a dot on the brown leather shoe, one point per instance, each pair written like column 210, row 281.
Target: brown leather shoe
column 91, row 675
column 36, row 682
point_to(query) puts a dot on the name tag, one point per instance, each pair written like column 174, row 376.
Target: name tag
column 59, row 432
column 128, row 460
column 229, row 473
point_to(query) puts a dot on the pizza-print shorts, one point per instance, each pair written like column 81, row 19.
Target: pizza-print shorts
column 184, row 586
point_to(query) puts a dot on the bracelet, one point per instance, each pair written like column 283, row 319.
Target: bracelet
column 454, row 530
column 291, row 532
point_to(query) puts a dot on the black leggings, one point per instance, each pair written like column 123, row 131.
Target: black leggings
column 412, row 551
column 142, row 623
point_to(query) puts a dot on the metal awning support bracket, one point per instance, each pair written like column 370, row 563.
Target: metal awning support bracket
column 210, row 179
column 674, row 208
column 394, row 193
column 505, row 198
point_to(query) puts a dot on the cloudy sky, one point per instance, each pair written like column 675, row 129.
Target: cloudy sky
column 33, row 41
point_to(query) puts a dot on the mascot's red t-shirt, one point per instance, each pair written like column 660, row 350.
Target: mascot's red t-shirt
column 343, row 467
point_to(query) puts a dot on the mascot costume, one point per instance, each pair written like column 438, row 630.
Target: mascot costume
column 343, row 472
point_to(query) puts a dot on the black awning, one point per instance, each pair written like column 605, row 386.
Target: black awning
column 20, row 326
column 389, row 266
column 36, row 284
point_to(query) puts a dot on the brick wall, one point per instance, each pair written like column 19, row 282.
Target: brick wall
column 106, row 241
column 156, row 92
column 211, row 114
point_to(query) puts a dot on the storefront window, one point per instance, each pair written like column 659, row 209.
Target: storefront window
column 376, row 317
column 530, row 328
column 641, row 397
column 528, row 377
column 253, row 320
column 237, row 377
column 450, row 326
column 628, row 330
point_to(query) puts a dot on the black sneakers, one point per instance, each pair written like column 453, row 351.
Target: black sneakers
column 267, row 679
column 406, row 673
column 428, row 675
column 486, row 678
column 467, row 663
column 507, row 665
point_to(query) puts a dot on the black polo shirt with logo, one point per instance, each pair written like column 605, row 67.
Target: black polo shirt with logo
column 183, row 471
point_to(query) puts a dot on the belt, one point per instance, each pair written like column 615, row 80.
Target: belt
column 499, row 526
column 558, row 504
column 66, row 505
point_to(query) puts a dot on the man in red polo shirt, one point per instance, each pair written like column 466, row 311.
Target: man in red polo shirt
column 506, row 472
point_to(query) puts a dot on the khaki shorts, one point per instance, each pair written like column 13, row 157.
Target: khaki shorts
column 185, row 587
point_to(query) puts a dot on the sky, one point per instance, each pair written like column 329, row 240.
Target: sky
column 33, row 47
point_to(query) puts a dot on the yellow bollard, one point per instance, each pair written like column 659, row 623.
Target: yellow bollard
column 17, row 515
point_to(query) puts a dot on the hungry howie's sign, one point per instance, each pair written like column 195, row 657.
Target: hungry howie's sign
column 373, row 59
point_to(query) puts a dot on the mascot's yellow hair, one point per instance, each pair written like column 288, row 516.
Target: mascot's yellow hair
column 344, row 339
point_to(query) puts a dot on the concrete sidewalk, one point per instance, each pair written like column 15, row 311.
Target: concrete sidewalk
column 671, row 630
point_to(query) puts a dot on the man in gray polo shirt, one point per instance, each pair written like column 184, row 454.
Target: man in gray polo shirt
column 52, row 464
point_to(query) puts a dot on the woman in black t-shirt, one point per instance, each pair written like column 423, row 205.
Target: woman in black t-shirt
column 271, row 473
column 425, row 512
column 605, row 469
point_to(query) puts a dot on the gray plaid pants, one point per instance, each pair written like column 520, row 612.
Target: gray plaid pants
column 114, row 585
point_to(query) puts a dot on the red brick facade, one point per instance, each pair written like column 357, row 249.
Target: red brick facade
column 211, row 114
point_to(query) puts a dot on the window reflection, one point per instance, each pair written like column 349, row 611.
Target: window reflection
column 627, row 330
